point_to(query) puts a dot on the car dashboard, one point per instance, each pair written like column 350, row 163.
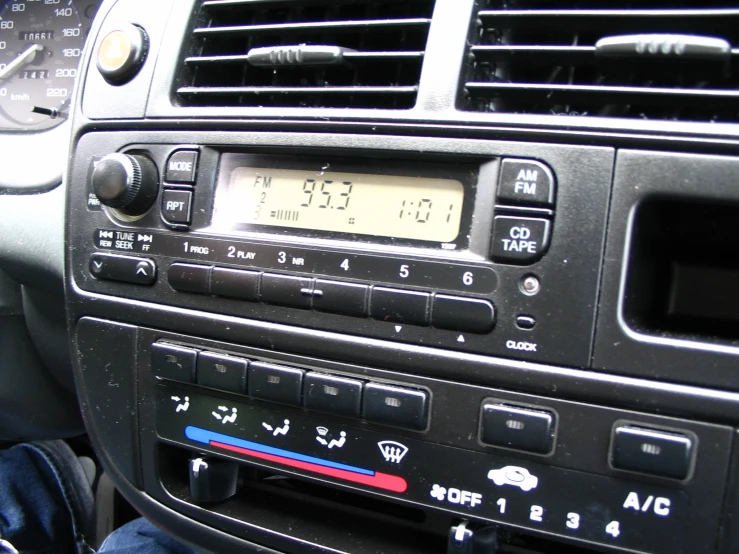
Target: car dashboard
column 397, row 276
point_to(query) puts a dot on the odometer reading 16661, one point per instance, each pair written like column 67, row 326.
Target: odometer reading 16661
column 40, row 47
column 416, row 208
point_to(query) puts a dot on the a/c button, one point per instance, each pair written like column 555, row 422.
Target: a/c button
column 651, row 451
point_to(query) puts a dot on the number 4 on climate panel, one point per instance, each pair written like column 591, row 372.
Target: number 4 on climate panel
column 613, row 529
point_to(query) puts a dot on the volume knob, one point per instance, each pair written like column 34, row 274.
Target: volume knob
column 126, row 182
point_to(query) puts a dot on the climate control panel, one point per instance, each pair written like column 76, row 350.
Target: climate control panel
column 627, row 513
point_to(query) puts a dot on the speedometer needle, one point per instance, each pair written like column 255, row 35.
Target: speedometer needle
column 25, row 57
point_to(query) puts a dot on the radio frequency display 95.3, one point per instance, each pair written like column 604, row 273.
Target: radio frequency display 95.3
column 417, row 208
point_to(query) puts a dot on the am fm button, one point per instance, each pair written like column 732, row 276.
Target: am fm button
column 526, row 182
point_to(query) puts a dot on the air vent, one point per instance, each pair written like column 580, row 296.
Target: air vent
column 294, row 53
column 649, row 59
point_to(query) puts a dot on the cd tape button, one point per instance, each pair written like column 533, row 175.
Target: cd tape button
column 519, row 239
column 400, row 306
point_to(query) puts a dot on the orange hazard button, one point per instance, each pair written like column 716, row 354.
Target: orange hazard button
column 121, row 53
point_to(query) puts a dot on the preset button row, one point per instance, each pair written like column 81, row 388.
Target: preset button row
column 375, row 402
column 471, row 315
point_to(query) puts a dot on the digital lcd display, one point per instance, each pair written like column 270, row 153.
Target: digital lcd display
column 417, row 208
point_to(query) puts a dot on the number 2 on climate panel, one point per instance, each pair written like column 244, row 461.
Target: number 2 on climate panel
column 537, row 513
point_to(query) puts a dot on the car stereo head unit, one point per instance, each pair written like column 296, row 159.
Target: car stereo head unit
column 465, row 252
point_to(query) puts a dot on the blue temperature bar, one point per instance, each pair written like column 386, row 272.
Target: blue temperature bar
column 297, row 460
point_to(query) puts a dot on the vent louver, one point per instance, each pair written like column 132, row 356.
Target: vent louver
column 295, row 53
column 648, row 59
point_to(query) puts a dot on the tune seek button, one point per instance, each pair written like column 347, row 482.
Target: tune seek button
column 127, row 269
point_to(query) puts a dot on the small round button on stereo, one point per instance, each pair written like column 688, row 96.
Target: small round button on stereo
column 128, row 183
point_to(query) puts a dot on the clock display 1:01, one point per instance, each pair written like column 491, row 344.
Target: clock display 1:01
column 419, row 208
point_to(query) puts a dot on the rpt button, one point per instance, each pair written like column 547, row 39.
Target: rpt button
column 176, row 206
column 519, row 239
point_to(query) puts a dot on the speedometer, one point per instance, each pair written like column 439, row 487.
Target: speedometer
column 40, row 47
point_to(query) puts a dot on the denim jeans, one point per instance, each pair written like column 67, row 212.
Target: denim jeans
column 47, row 507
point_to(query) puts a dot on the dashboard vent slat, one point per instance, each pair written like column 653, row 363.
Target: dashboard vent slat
column 380, row 46
column 546, row 57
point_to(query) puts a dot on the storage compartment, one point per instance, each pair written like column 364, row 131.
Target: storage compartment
column 683, row 272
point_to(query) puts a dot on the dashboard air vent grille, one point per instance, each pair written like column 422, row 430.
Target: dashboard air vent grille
column 648, row 59
column 294, row 53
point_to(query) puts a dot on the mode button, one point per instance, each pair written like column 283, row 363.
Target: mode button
column 181, row 167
